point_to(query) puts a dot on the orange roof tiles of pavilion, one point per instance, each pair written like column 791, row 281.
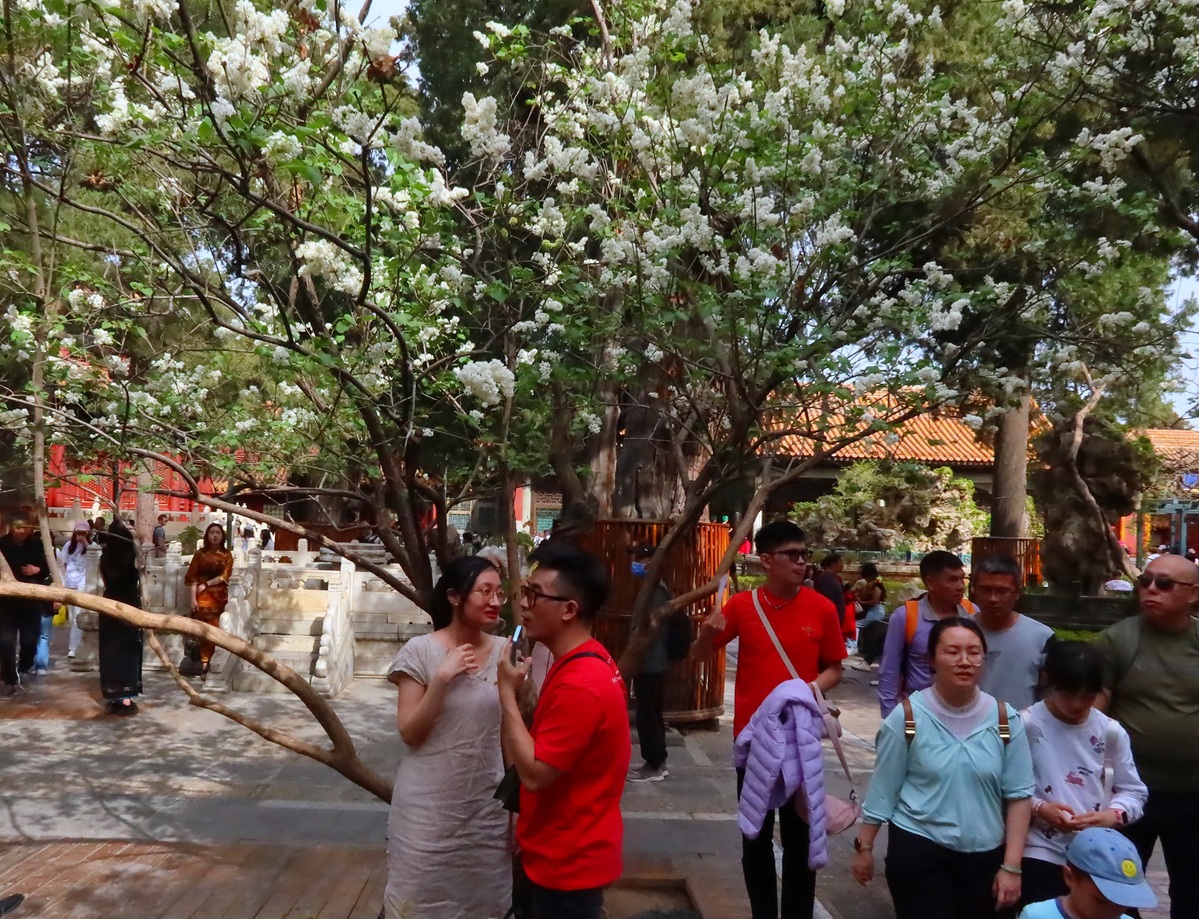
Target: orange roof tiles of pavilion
column 940, row 437
column 1176, row 448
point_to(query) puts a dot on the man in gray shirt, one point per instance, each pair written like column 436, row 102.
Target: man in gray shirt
column 1015, row 644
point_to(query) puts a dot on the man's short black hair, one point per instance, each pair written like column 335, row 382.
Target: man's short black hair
column 578, row 572
column 829, row 560
column 1000, row 564
column 777, row 533
column 937, row 561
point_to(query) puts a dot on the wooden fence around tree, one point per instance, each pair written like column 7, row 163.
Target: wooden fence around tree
column 694, row 689
column 1026, row 552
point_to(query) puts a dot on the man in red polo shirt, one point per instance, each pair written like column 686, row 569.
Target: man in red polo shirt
column 809, row 629
column 572, row 765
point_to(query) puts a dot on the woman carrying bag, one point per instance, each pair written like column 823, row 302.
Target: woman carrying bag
column 953, row 777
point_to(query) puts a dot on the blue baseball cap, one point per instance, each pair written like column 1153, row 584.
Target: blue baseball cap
column 1113, row 864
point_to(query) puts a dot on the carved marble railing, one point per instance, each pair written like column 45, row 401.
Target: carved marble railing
column 323, row 617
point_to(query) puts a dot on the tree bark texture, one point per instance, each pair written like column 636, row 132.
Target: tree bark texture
column 1010, row 472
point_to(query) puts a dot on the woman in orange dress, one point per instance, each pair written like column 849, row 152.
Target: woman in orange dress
column 208, row 576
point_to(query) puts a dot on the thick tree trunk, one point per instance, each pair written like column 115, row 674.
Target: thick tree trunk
column 1010, row 472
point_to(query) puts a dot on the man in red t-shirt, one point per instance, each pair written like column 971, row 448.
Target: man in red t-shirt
column 572, row 765
column 809, row 629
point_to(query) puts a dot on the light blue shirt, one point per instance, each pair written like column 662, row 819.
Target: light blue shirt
column 1049, row 909
column 945, row 789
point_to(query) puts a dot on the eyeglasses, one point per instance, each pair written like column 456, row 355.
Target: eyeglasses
column 971, row 655
column 532, row 595
column 794, row 556
column 1162, row 582
column 491, row 593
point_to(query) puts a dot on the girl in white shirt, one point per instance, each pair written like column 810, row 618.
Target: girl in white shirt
column 72, row 562
column 1072, row 743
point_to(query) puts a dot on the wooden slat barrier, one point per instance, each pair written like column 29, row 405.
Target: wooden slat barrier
column 694, row 690
column 1025, row 550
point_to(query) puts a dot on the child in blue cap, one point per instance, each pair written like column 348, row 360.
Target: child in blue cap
column 1104, row 874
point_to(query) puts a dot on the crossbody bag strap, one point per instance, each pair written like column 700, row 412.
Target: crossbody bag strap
column 778, row 645
column 1109, row 762
column 821, row 704
column 830, row 728
column 567, row 660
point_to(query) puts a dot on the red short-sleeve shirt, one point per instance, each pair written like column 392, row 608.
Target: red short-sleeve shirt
column 571, row 834
column 808, row 628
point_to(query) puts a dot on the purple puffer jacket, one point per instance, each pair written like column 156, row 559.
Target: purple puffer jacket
column 781, row 753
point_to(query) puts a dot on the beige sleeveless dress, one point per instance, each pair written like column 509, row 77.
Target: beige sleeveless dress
column 448, row 853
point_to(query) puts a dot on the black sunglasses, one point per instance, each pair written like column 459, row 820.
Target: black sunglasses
column 1162, row 582
column 795, row 556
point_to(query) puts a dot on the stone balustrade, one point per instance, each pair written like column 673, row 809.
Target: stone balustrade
column 316, row 612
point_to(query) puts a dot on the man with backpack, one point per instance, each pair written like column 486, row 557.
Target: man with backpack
column 904, row 668
column 1151, row 686
column 669, row 643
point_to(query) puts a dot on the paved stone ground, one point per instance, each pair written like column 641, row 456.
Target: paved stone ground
column 97, row 811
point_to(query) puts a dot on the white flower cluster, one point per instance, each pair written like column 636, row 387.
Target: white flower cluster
column 407, row 143
column 281, row 147
column 1113, row 147
column 322, row 259
column 479, row 128
column 488, row 381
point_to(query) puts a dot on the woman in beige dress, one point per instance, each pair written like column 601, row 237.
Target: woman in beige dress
column 448, row 854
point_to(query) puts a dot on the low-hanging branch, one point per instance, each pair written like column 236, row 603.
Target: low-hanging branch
column 342, row 756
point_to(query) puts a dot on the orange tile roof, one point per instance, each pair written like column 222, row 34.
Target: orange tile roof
column 939, row 437
column 1177, row 449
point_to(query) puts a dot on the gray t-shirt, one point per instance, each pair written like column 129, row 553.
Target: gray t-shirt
column 1014, row 662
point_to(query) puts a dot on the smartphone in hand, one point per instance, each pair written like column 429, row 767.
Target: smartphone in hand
column 518, row 638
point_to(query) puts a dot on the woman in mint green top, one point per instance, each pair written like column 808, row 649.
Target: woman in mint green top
column 956, row 793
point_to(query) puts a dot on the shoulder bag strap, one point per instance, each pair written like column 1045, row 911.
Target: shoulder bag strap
column 909, row 720
column 911, row 622
column 1109, row 762
column 567, row 660
column 830, row 728
column 1005, row 729
column 778, row 645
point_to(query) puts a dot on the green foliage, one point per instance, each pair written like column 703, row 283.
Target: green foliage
column 878, row 506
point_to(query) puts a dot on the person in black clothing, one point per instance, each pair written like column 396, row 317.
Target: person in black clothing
column 649, row 686
column 120, row 643
column 828, row 582
column 20, row 620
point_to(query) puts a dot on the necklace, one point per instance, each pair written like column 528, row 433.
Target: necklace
column 770, row 601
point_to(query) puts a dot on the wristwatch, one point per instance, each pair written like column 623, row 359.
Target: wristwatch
column 858, row 845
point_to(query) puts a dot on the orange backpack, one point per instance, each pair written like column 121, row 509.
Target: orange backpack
column 912, row 610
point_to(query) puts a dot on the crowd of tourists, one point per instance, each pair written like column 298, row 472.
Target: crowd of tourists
column 1015, row 773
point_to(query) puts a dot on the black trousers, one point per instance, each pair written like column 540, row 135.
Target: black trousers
column 929, row 881
column 1042, row 880
column 649, row 692
column 1173, row 818
column 757, row 864
column 567, row 904
column 20, row 624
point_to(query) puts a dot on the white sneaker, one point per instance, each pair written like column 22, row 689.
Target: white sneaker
column 71, row 653
column 41, row 671
column 647, row 773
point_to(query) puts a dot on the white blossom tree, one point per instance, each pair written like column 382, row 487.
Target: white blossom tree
column 655, row 265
